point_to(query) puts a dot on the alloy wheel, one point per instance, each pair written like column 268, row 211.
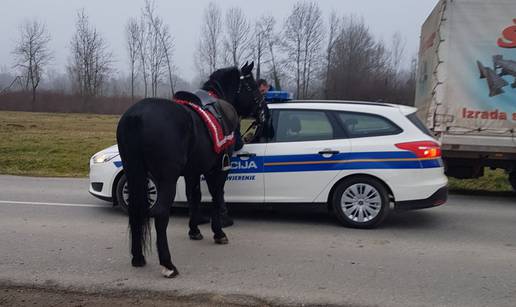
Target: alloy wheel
column 361, row 202
column 152, row 193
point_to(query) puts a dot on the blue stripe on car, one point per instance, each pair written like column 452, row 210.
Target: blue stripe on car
column 341, row 161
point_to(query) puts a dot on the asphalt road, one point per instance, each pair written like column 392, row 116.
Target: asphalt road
column 53, row 234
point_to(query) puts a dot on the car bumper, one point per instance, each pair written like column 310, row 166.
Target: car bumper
column 436, row 199
column 105, row 198
column 102, row 177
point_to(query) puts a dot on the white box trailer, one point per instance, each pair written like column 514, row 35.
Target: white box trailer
column 466, row 88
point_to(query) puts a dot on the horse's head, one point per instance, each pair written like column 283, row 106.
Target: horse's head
column 249, row 99
column 239, row 88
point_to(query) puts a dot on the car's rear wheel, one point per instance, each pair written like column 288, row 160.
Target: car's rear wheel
column 122, row 192
column 361, row 202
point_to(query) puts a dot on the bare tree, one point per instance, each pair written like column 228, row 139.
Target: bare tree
column 271, row 41
column 209, row 42
column 155, row 58
column 32, row 53
column 303, row 37
column 362, row 67
column 167, row 42
column 162, row 47
column 132, row 30
column 352, row 69
column 397, row 49
column 259, row 47
column 396, row 56
column 405, row 93
column 333, row 31
column 236, row 40
column 91, row 61
column 142, row 52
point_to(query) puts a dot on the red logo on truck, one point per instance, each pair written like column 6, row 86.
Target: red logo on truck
column 508, row 39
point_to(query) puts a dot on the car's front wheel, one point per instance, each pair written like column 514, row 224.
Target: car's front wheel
column 361, row 202
column 122, row 192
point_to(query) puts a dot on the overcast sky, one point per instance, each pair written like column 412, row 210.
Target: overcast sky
column 384, row 17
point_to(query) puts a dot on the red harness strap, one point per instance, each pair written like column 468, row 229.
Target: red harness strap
column 220, row 141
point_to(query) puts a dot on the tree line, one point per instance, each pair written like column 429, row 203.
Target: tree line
column 313, row 56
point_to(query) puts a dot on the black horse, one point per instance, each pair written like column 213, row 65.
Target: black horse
column 165, row 140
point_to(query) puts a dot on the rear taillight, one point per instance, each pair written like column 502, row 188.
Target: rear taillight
column 422, row 149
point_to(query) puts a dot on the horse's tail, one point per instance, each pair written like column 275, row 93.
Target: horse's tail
column 130, row 143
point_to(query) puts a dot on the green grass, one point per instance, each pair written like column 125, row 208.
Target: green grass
column 492, row 181
column 52, row 144
column 56, row 144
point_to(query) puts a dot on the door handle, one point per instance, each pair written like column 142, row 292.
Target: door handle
column 328, row 152
column 246, row 155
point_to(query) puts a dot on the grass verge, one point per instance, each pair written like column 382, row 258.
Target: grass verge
column 52, row 144
column 492, row 181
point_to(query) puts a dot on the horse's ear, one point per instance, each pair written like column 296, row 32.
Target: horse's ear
column 244, row 68
column 251, row 66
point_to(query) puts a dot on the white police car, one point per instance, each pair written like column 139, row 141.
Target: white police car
column 362, row 159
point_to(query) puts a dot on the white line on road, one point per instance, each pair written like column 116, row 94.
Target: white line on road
column 32, row 203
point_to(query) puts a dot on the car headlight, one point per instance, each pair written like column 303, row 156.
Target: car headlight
column 104, row 157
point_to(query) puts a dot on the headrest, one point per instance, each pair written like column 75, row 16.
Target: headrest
column 294, row 124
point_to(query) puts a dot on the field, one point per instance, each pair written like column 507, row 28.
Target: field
column 59, row 144
column 52, row 144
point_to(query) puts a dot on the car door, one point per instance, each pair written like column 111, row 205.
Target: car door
column 301, row 158
column 372, row 136
column 245, row 180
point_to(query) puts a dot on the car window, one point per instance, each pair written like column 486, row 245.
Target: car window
column 301, row 125
column 366, row 125
column 419, row 124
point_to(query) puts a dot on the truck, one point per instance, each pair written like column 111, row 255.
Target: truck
column 466, row 84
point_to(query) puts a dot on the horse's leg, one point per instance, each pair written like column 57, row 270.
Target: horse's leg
column 225, row 219
column 193, row 195
column 161, row 213
column 216, row 181
column 138, row 259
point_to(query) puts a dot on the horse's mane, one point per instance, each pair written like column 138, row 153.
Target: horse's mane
column 223, row 76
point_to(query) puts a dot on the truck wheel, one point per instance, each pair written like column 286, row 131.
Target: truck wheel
column 361, row 202
column 122, row 192
column 512, row 180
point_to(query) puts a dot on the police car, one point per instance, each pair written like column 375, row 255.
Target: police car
column 362, row 159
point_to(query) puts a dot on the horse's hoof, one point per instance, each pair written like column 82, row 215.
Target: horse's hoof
column 169, row 273
column 196, row 237
column 138, row 261
column 223, row 240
